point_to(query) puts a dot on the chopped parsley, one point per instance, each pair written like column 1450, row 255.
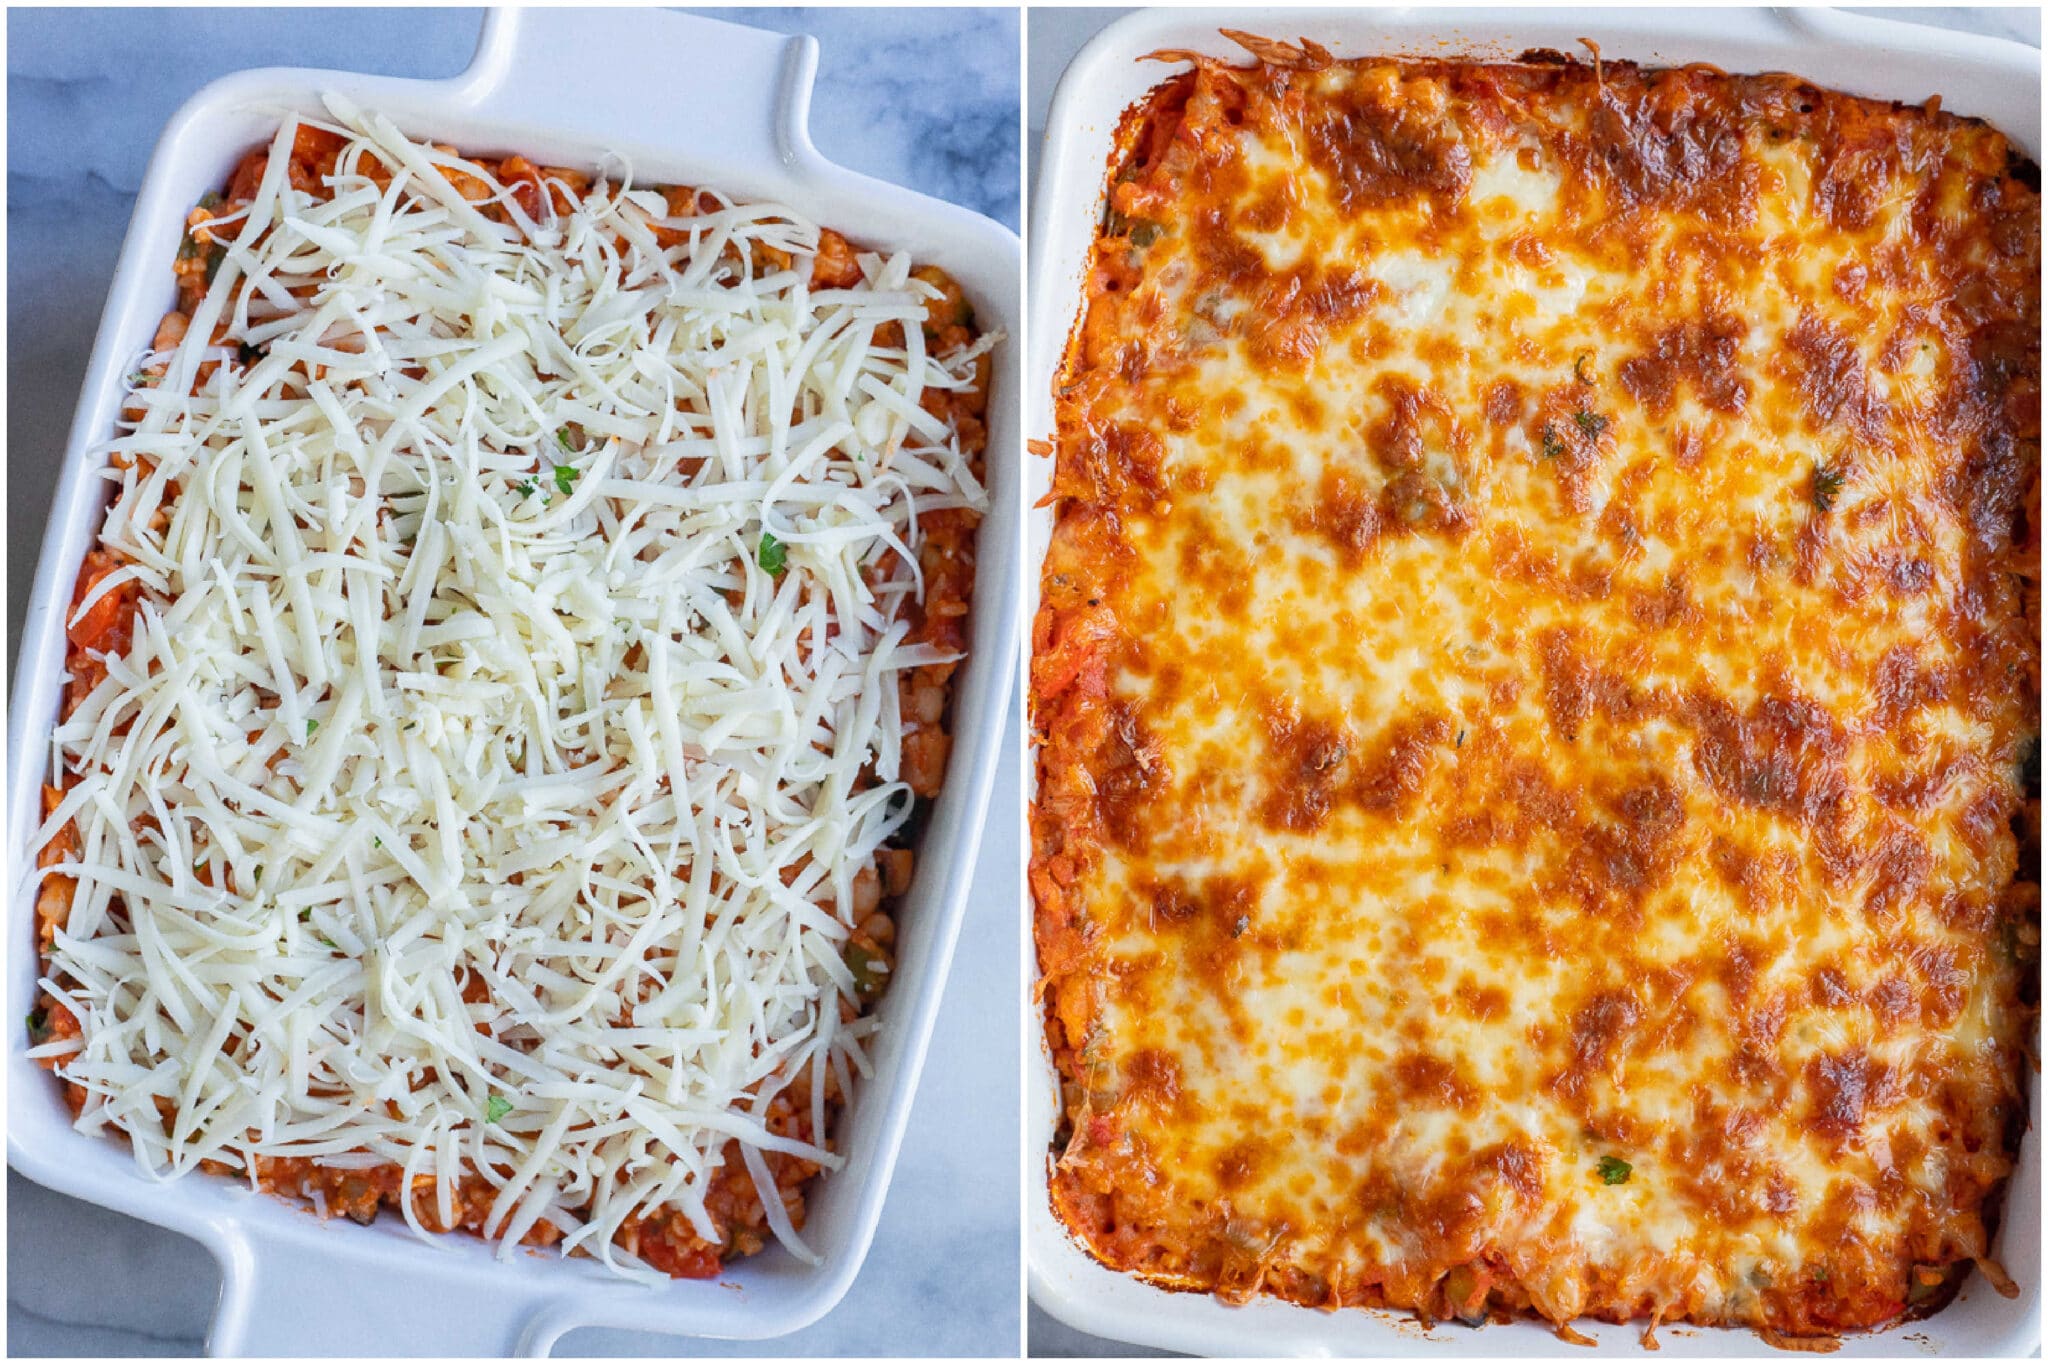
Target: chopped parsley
column 1144, row 232
column 214, row 256
column 526, row 488
column 328, row 941
column 376, row 841
column 1614, row 1171
column 496, row 1107
column 772, row 554
column 36, row 1023
column 210, row 200
column 565, row 478
column 1553, row 447
column 1827, row 486
column 563, row 437
column 305, row 914
column 312, row 728
column 1592, row 423
column 1579, row 367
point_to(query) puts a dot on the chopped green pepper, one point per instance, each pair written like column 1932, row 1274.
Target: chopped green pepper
column 870, row 972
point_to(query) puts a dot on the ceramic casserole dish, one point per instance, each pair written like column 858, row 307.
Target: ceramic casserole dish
column 1992, row 79
column 683, row 99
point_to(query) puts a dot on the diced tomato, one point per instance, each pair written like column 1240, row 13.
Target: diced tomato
column 105, row 625
column 524, row 179
column 248, row 176
column 318, row 148
column 695, row 1262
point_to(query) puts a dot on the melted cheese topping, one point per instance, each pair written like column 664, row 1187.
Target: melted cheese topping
column 511, row 718
column 1538, row 650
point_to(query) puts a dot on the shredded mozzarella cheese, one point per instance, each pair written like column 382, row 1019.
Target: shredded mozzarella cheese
column 476, row 794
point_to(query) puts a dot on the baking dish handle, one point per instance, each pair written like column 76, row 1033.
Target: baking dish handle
column 649, row 75
column 277, row 1300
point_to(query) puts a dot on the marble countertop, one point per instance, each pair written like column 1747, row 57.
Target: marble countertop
column 924, row 98
column 1056, row 36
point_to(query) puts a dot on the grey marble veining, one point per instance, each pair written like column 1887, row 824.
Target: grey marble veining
column 1057, row 36
column 925, row 98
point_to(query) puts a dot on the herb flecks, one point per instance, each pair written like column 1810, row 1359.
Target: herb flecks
column 1553, row 444
column 1826, row 486
column 772, row 555
column 496, row 1107
column 565, row 478
column 1592, row 423
column 1579, row 363
column 1614, row 1171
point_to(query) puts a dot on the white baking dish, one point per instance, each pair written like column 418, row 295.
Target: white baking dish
column 1990, row 78
column 685, row 99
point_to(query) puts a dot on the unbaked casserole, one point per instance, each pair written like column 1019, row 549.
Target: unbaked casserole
column 511, row 671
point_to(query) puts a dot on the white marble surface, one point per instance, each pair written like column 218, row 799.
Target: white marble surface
column 1055, row 36
column 926, row 98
